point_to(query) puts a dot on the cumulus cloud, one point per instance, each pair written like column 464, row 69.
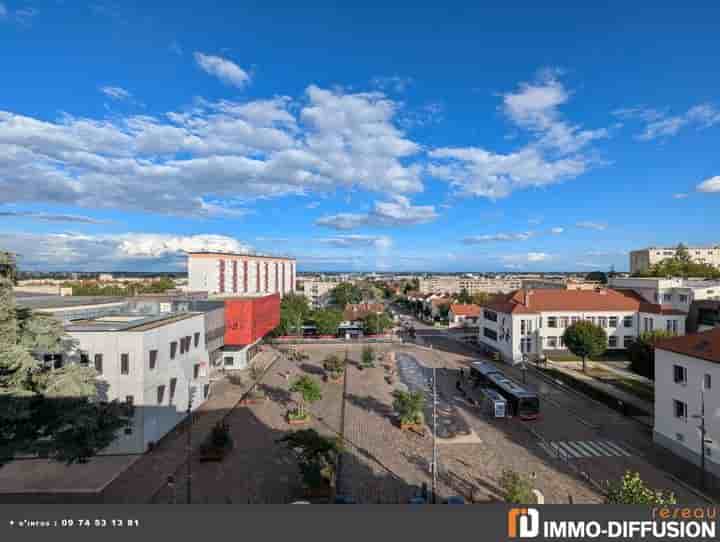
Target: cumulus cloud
column 80, row 251
column 396, row 83
column 355, row 241
column 709, row 185
column 589, row 225
column 226, row 70
column 658, row 124
column 529, row 257
column 556, row 153
column 116, row 93
column 49, row 217
column 210, row 152
column 398, row 211
column 479, row 239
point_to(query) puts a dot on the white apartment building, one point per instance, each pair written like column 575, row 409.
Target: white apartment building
column 317, row 291
column 227, row 273
column 532, row 322
column 454, row 285
column 150, row 363
column 642, row 260
column 675, row 293
column 686, row 368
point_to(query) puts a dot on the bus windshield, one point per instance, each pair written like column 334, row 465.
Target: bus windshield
column 529, row 406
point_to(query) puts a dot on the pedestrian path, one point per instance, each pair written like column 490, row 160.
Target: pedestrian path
column 584, row 449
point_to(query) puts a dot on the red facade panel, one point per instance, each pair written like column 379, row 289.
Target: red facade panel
column 247, row 320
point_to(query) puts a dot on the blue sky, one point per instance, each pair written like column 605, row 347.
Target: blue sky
column 446, row 138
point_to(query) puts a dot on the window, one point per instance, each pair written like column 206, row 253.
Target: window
column 525, row 327
column 683, row 298
column 707, row 382
column 173, row 349
column 129, row 406
column 490, row 315
column 188, row 341
column 602, row 321
column 672, row 326
column 196, row 371
column 680, row 409
column 490, row 333
column 590, row 319
column 552, row 321
column 628, row 321
column 612, row 341
column 84, row 358
column 552, row 342
column 679, row 374
column 574, row 319
column 526, row 345
column 173, row 385
column 206, row 391
column 124, row 364
column 667, row 297
column 182, row 345
column 153, row 359
column 160, row 394
column 613, row 321
column 564, row 322
column 197, row 340
column 98, row 363
column 628, row 340
column 228, row 360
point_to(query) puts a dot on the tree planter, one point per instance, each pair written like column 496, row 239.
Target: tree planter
column 293, row 419
column 414, row 427
column 259, row 400
column 336, row 379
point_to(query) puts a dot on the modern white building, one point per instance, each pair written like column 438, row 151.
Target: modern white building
column 152, row 364
column 451, row 284
column 532, row 322
column 642, row 260
column 676, row 293
column 687, row 373
column 463, row 315
column 227, row 273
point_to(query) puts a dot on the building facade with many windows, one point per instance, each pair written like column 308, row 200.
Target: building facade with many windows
column 687, row 374
column 531, row 323
column 440, row 284
column 224, row 273
column 642, row 260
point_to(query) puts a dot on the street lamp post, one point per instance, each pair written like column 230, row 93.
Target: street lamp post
column 703, row 440
column 523, row 366
column 189, row 445
column 434, row 456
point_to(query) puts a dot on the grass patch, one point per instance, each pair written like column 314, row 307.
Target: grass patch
column 610, row 355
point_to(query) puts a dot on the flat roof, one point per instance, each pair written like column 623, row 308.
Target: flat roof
column 127, row 322
column 217, row 253
column 60, row 302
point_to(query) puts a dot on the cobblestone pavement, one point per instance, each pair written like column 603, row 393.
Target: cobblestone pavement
column 139, row 483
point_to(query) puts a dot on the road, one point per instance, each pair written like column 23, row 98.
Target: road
column 596, row 439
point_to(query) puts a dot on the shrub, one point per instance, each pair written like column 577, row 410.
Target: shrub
column 409, row 406
column 630, row 489
column 517, row 489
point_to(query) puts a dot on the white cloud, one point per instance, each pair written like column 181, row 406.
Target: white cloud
column 225, row 70
column 396, row 83
column 119, row 251
column 3, row 11
column 396, row 212
column 552, row 157
column 659, row 125
column 589, row 225
column 312, row 205
column 557, row 231
column 210, row 152
column 529, row 257
column 354, row 241
column 49, row 217
column 116, row 93
column 709, row 185
column 491, row 238
column 680, row 195
column 590, row 264
column 535, row 221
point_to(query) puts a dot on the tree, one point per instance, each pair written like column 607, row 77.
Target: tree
column 681, row 254
column 464, row 296
column 368, row 356
column 409, row 406
column 327, row 321
column 481, row 298
column 585, row 339
column 294, row 310
column 376, row 324
column 517, row 489
column 316, row 455
column 345, row 293
column 630, row 489
column 443, row 311
column 642, row 352
column 597, row 276
column 334, row 365
column 681, row 265
column 50, row 411
column 309, row 391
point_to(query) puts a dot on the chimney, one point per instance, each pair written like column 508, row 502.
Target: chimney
column 528, row 293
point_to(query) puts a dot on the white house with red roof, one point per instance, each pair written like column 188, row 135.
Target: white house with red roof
column 463, row 315
column 687, row 374
column 532, row 322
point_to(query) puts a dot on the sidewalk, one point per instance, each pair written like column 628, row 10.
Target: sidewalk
column 148, row 474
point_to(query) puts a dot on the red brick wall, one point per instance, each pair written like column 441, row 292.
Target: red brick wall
column 247, row 320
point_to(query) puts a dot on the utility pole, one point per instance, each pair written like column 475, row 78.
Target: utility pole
column 189, row 445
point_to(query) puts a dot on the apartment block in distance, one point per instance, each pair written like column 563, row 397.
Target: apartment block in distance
column 231, row 274
column 642, row 260
column 454, row 285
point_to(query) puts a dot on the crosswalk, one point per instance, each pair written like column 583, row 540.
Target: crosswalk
column 584, row 449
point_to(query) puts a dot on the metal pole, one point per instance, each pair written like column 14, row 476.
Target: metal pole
column 434, row 457
column 702, row 438
column 189, row 447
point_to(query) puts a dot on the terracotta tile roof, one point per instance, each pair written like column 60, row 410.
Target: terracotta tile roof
column 465, row 309
column 704, row 345
column 439, row 301
column 361, row 310
column 534, row 301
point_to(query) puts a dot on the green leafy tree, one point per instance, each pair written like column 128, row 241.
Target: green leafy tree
column 409, row 406
column 309, row 392
column 334, row 365
column 642, row 352
column 517, row 489
column 681, row 254
column 597, row 276
column 585, row 339
column 681, row 265
column 630, row 489
column 327, row 321
column 316, row 456
column 376, row 324
column 464, row 296
column 443, row 311
column 43, row 410
column 368, row 356
column 294, row 310
column 346, row 293
column 481, row 298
